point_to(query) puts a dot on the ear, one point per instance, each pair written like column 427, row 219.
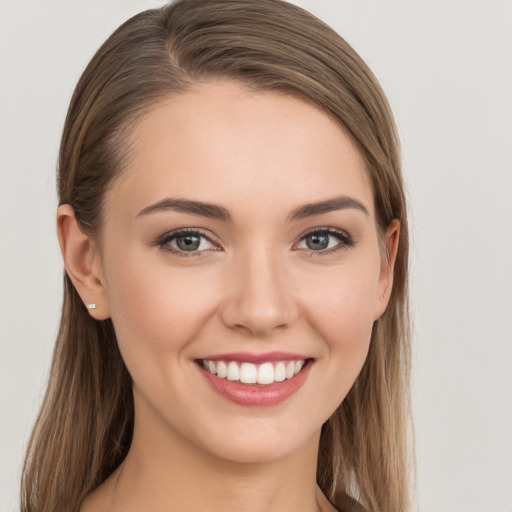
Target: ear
column 83, row 263
column 388, row 258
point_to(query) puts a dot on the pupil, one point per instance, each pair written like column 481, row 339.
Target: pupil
column 188, row 243
column 317, row 242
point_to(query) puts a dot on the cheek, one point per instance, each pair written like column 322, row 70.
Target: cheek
column 341, row 313
column 155, row 309
column 340, row 316
column 344, row 303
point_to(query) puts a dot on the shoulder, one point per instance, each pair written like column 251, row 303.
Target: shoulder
column 100, row 499
column 345, row 503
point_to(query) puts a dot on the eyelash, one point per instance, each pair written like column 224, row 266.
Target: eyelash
column 164, row 241
column 345, row 241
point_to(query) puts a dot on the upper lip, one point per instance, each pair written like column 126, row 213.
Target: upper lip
column 251, row 357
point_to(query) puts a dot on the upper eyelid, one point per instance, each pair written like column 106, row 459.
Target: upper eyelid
column 185, row 231
column 325, row 229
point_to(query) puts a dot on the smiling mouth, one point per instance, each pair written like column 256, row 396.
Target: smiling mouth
column 253, row 380
column 264, row 374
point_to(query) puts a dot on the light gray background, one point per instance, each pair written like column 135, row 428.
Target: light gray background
column 446, row 66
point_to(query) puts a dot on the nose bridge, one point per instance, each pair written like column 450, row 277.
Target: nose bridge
column 259, row 300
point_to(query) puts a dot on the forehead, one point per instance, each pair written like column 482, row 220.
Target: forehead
column 223, row 143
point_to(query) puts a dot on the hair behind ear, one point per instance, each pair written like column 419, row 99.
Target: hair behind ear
column 84, row 429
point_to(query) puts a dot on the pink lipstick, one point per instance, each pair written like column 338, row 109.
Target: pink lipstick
column 256, row 379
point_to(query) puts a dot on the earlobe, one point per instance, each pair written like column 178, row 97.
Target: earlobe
column 388, row 258
column 82, row 261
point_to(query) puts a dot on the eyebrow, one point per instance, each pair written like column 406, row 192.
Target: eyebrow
column 329, row 205
column 208, row 210
column 213, row 211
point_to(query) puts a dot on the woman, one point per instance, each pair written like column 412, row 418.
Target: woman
column 233, row 225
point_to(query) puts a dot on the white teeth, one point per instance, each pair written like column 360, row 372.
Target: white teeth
column 290, row 370
column 233, row 371
column 249, row 373
column 279, row 372
column 266, row 374
column 222, row 369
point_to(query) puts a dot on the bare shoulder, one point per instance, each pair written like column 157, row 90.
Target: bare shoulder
column 99, row 500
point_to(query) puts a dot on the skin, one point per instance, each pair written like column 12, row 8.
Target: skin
column 256, row 287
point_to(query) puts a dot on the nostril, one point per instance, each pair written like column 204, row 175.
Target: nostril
column 257, row 318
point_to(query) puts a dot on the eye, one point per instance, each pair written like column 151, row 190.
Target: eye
column 325, row 240
column 186, row 242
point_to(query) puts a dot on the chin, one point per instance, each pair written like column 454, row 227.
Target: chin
column 259, row 441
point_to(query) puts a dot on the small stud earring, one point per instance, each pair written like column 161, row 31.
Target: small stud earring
column 91, row 306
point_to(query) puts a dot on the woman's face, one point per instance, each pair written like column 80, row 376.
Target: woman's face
column 241, row 237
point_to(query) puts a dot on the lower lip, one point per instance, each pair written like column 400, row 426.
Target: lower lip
column 257, row 395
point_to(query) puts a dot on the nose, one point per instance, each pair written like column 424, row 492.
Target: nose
column 259, row 297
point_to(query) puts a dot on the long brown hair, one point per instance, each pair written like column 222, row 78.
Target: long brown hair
column 84, row 429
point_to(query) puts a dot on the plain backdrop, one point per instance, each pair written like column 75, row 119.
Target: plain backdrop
column 447, row 69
